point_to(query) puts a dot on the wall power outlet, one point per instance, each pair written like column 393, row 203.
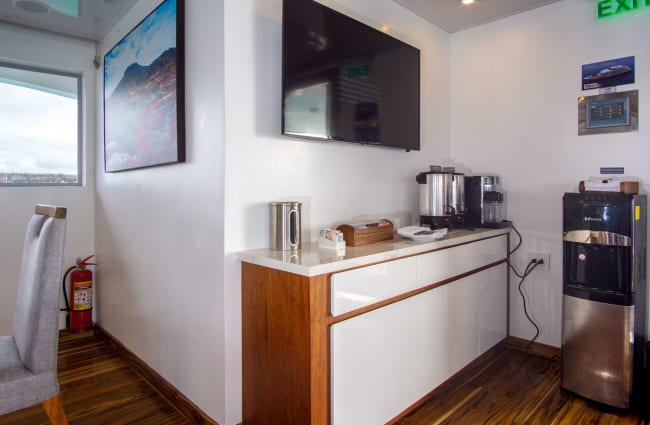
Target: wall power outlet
column 544, row 256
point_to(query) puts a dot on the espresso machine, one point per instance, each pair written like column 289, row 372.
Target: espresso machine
column 485, row 203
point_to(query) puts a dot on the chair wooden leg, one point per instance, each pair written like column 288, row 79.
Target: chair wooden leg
column 54, row 410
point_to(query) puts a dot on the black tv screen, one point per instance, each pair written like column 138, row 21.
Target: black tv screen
column 343, row 80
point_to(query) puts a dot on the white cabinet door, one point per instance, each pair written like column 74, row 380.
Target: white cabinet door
column 385, row 360
column 493, row 307
column 358, row 288
column 463, row 331
column 477, row 306
column 445, row 263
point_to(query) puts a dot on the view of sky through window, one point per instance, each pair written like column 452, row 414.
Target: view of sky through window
column 38, row 129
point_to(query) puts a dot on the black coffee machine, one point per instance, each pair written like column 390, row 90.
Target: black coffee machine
column 485, row 204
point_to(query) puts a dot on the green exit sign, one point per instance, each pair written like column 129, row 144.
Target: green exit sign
column 360, row 71
column 612, row 8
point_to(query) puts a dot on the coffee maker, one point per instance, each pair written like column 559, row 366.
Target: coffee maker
column 485, row 204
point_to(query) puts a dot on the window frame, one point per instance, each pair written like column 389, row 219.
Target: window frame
column 80, row 122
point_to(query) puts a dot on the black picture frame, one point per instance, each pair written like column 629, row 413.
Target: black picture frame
column 144, row 93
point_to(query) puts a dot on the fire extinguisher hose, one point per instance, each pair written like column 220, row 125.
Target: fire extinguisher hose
column 65, row 293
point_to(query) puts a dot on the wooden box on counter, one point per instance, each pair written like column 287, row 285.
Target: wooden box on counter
column 609, row 185
column 367, row 233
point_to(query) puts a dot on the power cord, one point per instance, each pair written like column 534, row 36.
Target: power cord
column 529, row 268
column 520, row 239
column 522, row 276
column 512, row 267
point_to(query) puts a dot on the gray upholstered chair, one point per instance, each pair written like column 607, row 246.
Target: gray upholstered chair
column 28, row 357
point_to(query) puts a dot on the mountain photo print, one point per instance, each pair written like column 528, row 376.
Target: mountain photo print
column 144, row 121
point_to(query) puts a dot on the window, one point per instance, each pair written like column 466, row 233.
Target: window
column 40, row 122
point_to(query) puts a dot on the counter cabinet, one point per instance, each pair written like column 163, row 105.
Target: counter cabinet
column 363, row 346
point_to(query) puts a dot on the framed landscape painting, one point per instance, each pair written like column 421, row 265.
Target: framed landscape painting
column 144, row 96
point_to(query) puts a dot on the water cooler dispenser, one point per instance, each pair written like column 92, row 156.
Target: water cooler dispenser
column 604, row 295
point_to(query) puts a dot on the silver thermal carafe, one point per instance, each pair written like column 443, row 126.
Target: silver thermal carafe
column 485, row 203
column 285, row 225
column 442, row 198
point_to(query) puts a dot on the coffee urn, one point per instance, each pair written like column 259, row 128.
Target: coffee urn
column 485, row 204
column 442, row 197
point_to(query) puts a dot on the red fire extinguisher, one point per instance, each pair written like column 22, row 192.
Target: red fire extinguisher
column 80, row 305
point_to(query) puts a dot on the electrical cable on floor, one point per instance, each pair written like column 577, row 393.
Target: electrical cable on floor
column 529, row 268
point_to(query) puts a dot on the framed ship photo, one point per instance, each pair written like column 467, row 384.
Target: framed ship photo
column 609, row 73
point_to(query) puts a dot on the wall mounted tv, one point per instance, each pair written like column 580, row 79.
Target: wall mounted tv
column 343, row 80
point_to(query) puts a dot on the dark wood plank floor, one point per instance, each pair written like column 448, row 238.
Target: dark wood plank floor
column 98, row 387
column 505, row 386
column 509, row 386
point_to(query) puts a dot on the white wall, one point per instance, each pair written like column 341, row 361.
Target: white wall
column 334, row 181
column 160, row 230
column 515, row 84
column 500, row 98
column 160, row 237
column 29, row 47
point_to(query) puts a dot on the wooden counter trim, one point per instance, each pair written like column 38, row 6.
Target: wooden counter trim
column 285, row 347
column 398, row 298
column 508, row 287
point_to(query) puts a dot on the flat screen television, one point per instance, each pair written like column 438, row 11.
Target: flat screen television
column 345, row 81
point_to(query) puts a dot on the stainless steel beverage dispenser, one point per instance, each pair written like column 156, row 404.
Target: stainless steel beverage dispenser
column 441, row 197
column 285, row 225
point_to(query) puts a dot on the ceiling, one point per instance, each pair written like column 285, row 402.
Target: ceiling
column 452, row 16
column 96, row 17
column 89, row 19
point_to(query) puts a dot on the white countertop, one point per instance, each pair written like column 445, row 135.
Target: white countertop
column 312, row 260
